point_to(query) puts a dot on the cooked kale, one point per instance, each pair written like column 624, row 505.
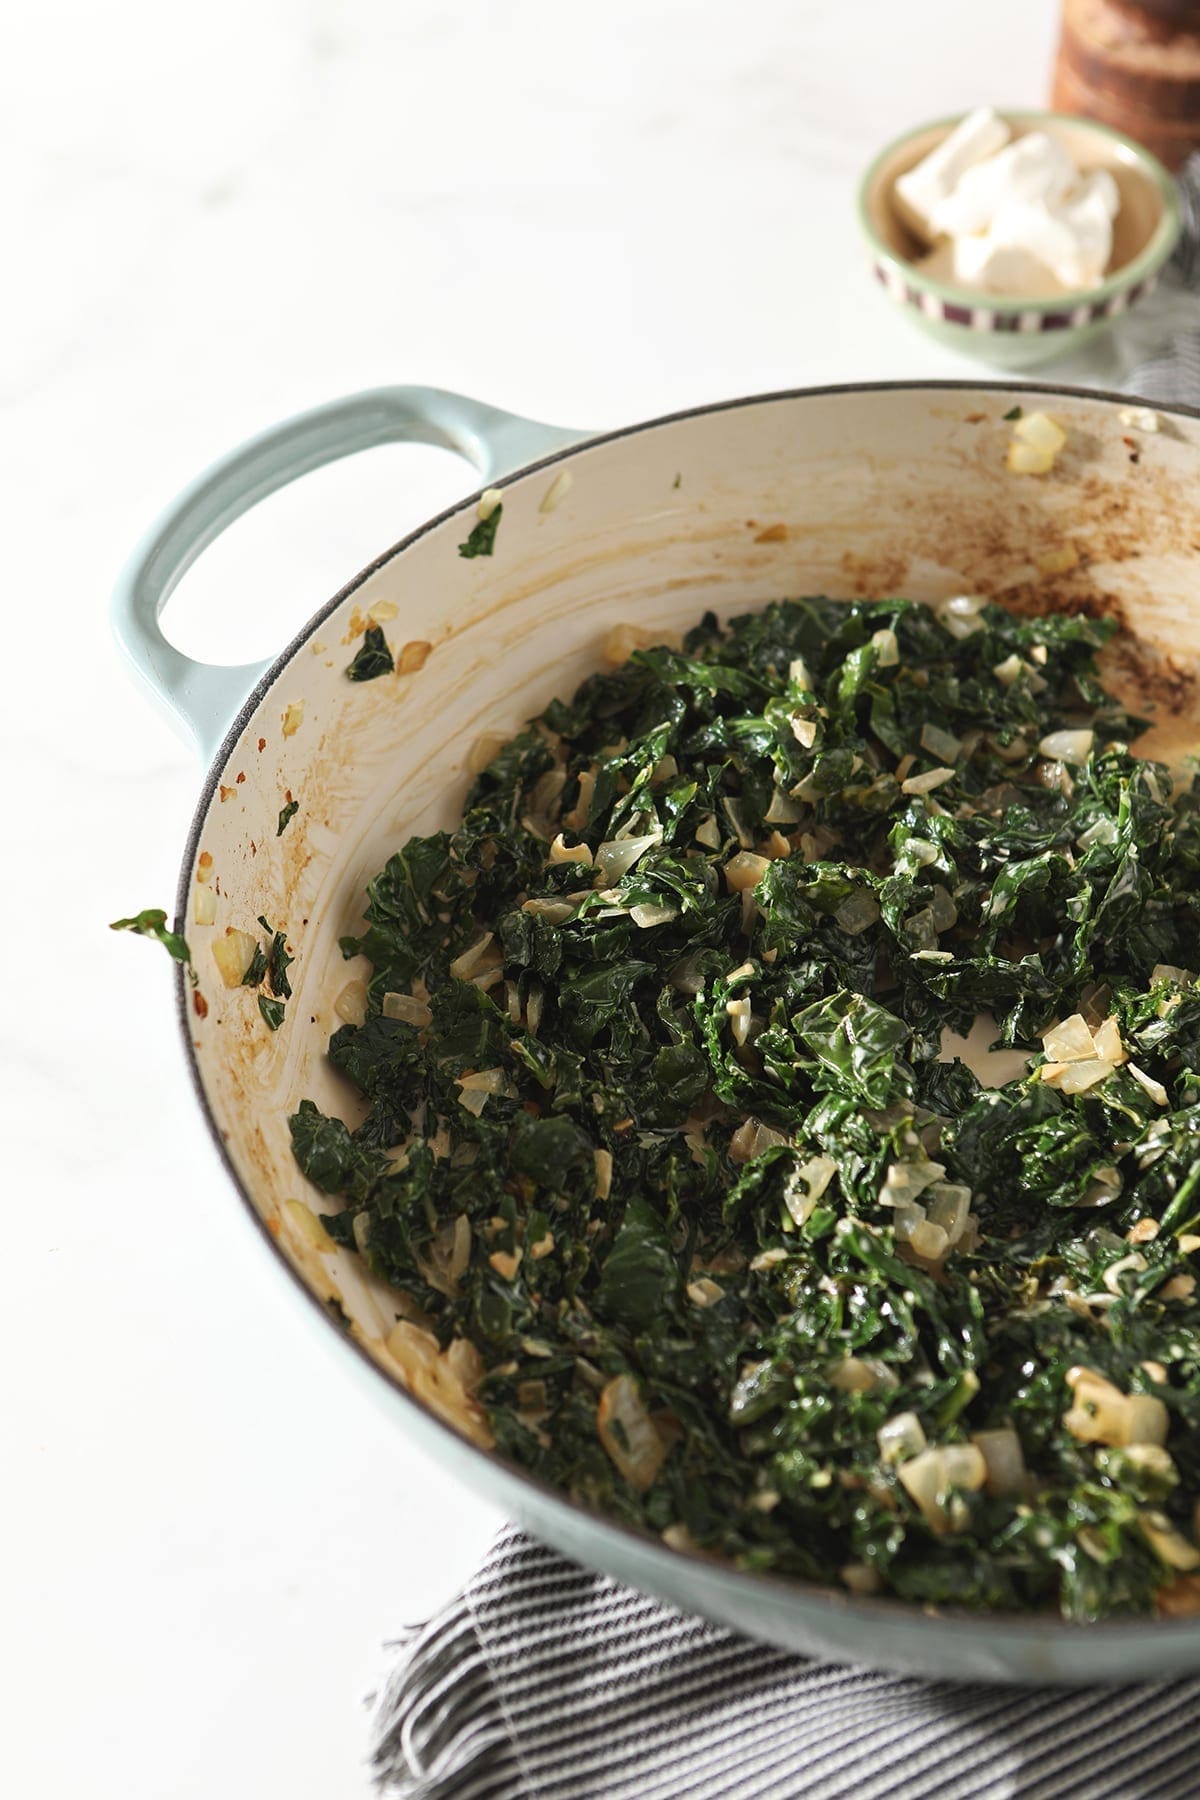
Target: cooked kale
column 481, row 539
column 373, row 658
column 278, row 962
column 272, row 1012
column 657, row 1034
column 286, row 815
column 152, row 923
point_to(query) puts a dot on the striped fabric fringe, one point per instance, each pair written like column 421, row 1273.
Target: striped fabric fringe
column 1174, row 374
column 547, row 1682
column 543, row 1681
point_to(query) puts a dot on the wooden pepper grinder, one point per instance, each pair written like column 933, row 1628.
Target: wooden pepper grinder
column 1134, row 64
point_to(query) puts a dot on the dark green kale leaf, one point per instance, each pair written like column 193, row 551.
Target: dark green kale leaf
column 278, row 962
column 481, row 539
column 153, row 923
column 287, row 813
column 372, row 659
column 639, row 1279
column 272, row 1011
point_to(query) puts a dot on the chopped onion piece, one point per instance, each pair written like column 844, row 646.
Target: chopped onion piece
column 753, row 1137
column 1103, row 1188
column 1168, row 1543
column 798, row 672
column 804, row 730
column 740, row 1018
column 555, row 912
column 604, row 1168
column 1104, row 831
column 407, row 1010
column 1170, row 972
column 1006, row 672
column 919, row 926
column 628, row 1433
column 1138, row 418
column 204, row 905
column 1023, row 459
column 745, row 870
column 308, row 1226
column 460, row 1249
column 443, row 1380
column 1004, row 1461
column 857, row 913
column 685, row 977
column 557, row 492
column 887, row 648
column 1040, row 431
column 1070, row 1041
column 905, row 1181
column 464, row 966
column 963, row 1466
column 1102, row 1414
column 1108, row 1042
column 1078, row 1077
column 1112, row 1275
column 233, row 955
column 901, row 1438
column 704, row 1292
column 487, row 1081
column 1155, row 1089
column 805, row 1186
column 351, row 1004
column 1059, row 560
column 1067, row 746
column 925, row 784
column 560, row 852
column 928, row 1241
column 908, row 1216
column 960, row 615
column 852, row 1376
column 485, row 750
column 644, row 915
column 945, row 913
column 942, row 744
column 947, row 1206
column 860, row 1578
column 618, row 856
column 782, row 811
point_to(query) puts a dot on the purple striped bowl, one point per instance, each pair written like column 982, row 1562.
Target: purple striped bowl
column 1020, row 333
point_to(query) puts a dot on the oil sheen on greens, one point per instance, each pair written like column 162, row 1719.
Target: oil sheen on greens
column 712, row 1115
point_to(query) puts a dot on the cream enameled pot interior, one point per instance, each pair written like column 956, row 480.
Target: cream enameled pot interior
column 854, row 493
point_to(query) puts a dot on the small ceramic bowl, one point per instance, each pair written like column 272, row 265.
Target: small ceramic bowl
column 1021, row 333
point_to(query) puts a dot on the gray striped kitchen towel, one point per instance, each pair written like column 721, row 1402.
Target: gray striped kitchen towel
column 545, row 1681
column 1171, row 373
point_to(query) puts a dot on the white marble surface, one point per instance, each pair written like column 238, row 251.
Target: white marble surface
column 213, row 218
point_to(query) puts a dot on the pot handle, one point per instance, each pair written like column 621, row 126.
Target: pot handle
column 201, row 699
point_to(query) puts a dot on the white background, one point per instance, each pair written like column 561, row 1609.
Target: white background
column 210, row 217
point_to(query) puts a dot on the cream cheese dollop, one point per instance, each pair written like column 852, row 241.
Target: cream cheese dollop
column 1009, row 216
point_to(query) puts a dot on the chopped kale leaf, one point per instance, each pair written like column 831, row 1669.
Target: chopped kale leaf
column 481, row 539
column 372, row 659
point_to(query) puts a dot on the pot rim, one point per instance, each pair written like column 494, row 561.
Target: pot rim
column 787, row 1590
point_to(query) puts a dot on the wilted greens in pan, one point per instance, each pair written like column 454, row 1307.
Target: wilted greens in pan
column 687, row 1215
